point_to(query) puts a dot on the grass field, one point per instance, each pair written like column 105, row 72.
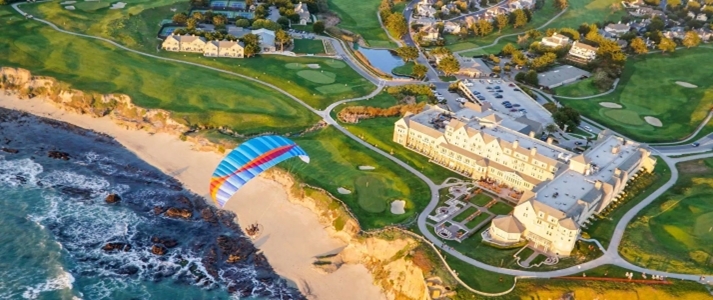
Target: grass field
column 602, row 230
column 308, row 46
column 587, row 11
column 647, row 88
column 405, row 70
column 477, row 220
column 138, row 30
column 335, row 163
column 478, row 279
column 581, row 88
column 500, row 209
column 465, row 214
column 675, row 232
column 481, row 199
column 196, row 95
column 360, row 17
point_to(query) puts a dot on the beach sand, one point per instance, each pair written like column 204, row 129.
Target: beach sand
column 292, row 234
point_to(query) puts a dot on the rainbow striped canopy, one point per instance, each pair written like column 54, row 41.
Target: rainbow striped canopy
column 249, row 160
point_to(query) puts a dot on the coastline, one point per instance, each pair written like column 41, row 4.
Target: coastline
column 292, row 234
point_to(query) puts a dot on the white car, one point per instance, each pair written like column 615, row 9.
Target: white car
column 468, row 84
column 440, row 98
column 587, row 128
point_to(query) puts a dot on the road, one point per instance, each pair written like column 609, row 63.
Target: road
column 611, row 256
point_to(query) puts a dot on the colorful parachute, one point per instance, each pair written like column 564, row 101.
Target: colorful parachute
column 247, row 161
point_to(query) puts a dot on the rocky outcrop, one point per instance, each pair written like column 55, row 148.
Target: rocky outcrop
column 167, row 242
column 208, row 215
column 112, row 198
column 58, row 155
column 178, row 213
column 9, row 150
column 116, row 247
column 158, row 250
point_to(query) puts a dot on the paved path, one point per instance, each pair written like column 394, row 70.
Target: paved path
column 616, row 82
column 513, row 34
column 611, row 256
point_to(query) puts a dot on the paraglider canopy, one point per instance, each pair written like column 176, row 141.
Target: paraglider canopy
column 249, row 160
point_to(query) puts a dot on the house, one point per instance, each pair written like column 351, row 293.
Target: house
column 676, row 32
column 554, row 41
column 622, row 44
column 425, row 9
column 303, row 12
column 556, row 191
column 451, row 27
column 520, row 4
column 224, row 49
column 472, row 67
column 647, row 12
column 632, row 4
column 494, row 11
column 702, row 17
column 691, row 15
column 184, row 43
column 267, row 39
column 470, row 21
column 430, row 33
column 582, row 52
column 704, row 34
column 617, row 29
column 425, row 21
column 450, row 8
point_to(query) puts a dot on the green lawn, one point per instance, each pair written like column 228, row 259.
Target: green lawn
column 587, row 11
column 674, row 233
column 481, row 199
column 501, row 209
column 581, row 88
column 647, row 88
column 602, row 230
column 465, row 214
column 308, row 46
column 405, row 70
column 136, row 27
column 477, row 220
column 196, row 95
column 478, row 279
column 335, row 163
column 360, row 17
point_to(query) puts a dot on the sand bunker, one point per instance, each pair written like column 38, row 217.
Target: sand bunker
column 68, row 2
column 397, row 207
column 343, row 191
column 118, row 5
column 610, row 105
column 366, row 168
column 686, row 85
column 69, row 7
column 313, row 66
column 653, row 121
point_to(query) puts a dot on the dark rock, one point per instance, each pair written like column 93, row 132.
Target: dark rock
column 9, row 150
column 185, row 202
column 58, row 155
column 176, row 187
column 116, row 246
column 158, row 250
column 75, row 191
column 128, row 270
column 176, row 213
column 233, row 258
column 167, row 242
column 112, row 198
column 208, row 215
column 158, row 210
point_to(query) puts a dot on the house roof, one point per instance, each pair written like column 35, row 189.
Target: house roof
column 584, row 46
column 618, row 27
column 508, row 224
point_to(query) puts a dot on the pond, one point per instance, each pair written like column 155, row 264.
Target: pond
column 382, row 59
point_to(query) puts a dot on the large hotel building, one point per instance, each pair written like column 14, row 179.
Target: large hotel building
column 554, row 189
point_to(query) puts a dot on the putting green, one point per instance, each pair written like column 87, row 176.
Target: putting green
column 333, row 88
column 91, row 5
column 338, row 64
column 295, row 66
column 703, row 229
column 318, row 76
column 370, row 191
column 624, row 116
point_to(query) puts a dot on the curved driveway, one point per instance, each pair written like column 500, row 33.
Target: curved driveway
column 611, row 256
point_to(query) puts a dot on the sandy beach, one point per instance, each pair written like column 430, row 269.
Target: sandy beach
column 292, row 234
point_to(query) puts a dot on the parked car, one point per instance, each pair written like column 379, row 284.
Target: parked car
column 489, row 88
column 523, row 110
column 499, row 96
column 517, row 90
column 468, row 84
column 440, row 98
column 505, row 102
column 499, row 91
column 578, row 143
column 497, row 87
column 695, row 144
column 480, row 97
column 512, row 84
column 516, row 105
column 513, row 110
column 587, row 128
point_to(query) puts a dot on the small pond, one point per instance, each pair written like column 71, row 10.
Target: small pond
column 382, row 59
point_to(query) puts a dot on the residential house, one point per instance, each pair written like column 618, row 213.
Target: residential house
column 430, row 33
column 184, row 43
column 617, row 29
column 451, row 27
column 622, row 44
column 470, row 21
column 556, row 191
column 632, row 4
column 554, row 41
column 520, row 4
column 425, row 9
column 702, row 17
column 450, row 8
column 494, row 11
column 676, row 32
column 472, row 67
column 691, row 15
column 425, row 21
column 704, row 34
column 646, row 12
column 224, row 49
column 267, row 39
column 304, row 14
column 582, row 52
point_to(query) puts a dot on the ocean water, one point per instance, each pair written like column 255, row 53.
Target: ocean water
column 55, row 222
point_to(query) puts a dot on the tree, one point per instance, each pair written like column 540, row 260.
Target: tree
column 501, row 21
column 260, row 12
column 519, row 18
column 191, row 24
column 407, row 53
column 180, row 18
column 667, row 45
column 602, row 80
column 242, row 23
column 449, row 65
column 614, row 7
column 531, row 78
column 656, row 24
column 484, row 27
column 543, row 62
column 198, row 16
column 494, row 59
column 508, row 49
column 567, row 116
column 284, row 22
column 252, row 44
column 441, row 51
column 318, row 27
column 496, row 69
column 560, row 4
column 283, row 38
column 519, row 58
column 691, row 39
column 396, row 23
column 694, row 6
column 534, row 34
column 419, row 71
column 219, row 20
column 570, row 33
column 551, row 128
column 673, row 3
column 638, row 46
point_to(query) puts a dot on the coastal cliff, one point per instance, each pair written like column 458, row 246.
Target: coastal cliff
column 387, row 255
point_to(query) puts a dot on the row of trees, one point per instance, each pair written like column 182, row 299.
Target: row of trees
column 482, row 27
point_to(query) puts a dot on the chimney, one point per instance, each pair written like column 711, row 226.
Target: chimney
column 533, row 151
column 598, row 185
column 615, row 149
column 515, row 144
column 532, row 134
column 549, row 140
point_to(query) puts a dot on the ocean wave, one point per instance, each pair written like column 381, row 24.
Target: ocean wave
column 61, row 282
column 14, row 173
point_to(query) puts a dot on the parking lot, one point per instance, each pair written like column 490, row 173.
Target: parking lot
column 518, row 99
